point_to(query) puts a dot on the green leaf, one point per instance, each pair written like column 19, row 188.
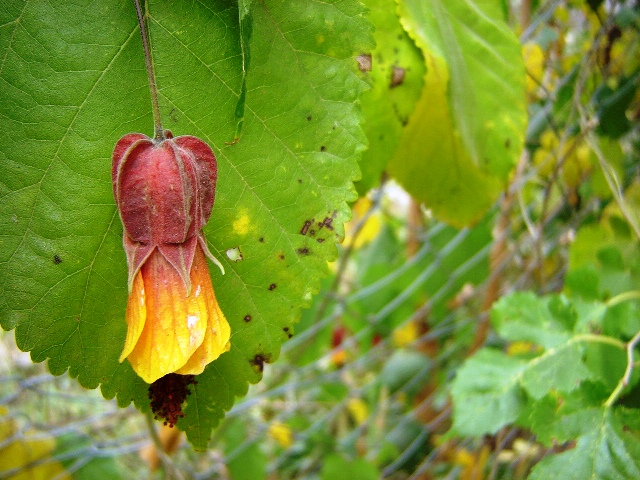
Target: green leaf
column 336, row 467
column 490, row 390
column 245, row 460
column 73, row 450
column 612, row 106
column 608, row 446
column 72, row 81
column 524, row 316
column 246, row 28
column 402, row 366
column 560, row 369
column 486, row 394
column 463, row 138
column 607, row 254
column 396, row 77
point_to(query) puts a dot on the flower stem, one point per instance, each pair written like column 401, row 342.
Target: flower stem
column 158, row 132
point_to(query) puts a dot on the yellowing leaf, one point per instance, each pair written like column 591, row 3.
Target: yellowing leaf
column 28, row 456
column 395, row 73
column 464, row 137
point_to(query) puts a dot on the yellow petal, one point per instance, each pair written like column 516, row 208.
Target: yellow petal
column 175, row 323
column 136, row 315
column 216, row 339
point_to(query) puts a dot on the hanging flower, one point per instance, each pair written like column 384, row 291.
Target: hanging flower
column 165, row 189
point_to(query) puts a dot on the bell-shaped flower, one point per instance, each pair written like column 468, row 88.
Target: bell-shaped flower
column 164, row 191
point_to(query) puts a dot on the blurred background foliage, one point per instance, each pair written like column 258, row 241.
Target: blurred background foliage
column 363, row 388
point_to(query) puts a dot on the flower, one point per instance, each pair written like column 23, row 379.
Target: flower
column 281, row 433
column 164, row 190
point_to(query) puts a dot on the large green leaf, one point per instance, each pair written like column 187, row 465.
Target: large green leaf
column 551, row 357
column 72, row 81
column 467, row 130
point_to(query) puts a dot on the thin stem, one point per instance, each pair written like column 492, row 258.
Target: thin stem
column 623, row 297
column 158, row 132
column 170, row 470
column 593, row 338
column 626, row 378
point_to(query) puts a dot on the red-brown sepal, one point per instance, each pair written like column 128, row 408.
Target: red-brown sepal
column 164, row 190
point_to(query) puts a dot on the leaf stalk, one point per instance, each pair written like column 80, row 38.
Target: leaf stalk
column 626, row 378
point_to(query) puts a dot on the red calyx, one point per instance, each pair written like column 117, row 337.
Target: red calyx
column 164, row 191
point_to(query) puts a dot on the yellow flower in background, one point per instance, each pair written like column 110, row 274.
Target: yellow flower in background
column 473, row 463
column 576, row 158
column 577, row 165
column 522, row 347
column 358, row 410
column 281, row 433
column 534, row 63
column 405, row 334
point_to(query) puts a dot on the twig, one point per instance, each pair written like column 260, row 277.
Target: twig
column 170, row 469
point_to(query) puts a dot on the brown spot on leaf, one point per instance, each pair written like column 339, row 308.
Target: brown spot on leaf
column 507, row 143
column 323, row 148
column 327, row 222
column 261, row 239
column 258, row 361
column 281, row 256
column 397, row 77
column 364, row 62
column 247, row 318
column 309, row 118
column 57, row 260
column 320, row 240
column 272, row 286
column 167, row 394
column 286, row 329
column 303, row 251
column 305, row 227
